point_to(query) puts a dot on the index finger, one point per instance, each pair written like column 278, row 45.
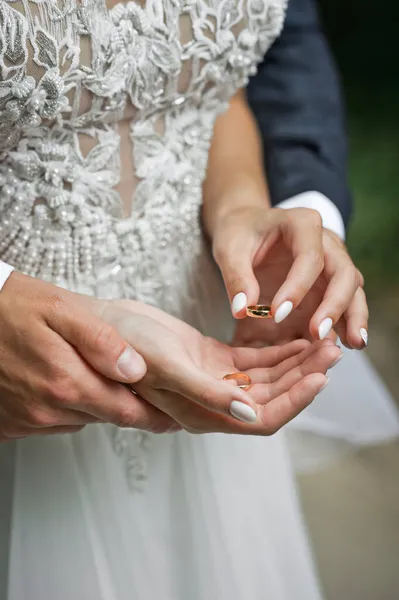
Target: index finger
column 302, row 232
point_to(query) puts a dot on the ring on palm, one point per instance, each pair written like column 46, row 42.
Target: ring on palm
column 242, row 380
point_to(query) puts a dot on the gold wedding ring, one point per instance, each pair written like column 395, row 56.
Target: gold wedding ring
column 259, row 311
column 242, row 380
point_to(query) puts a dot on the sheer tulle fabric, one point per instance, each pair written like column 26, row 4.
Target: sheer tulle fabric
column 355, row 409
column 218, row 519
column 218, row 515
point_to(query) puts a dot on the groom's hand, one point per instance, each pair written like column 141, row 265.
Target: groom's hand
column 60, row 365
column 286, row 259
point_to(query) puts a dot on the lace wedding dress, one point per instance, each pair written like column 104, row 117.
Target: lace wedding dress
column 106, row 118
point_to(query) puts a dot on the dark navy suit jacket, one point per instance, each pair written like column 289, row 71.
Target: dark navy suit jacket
column 297, row 101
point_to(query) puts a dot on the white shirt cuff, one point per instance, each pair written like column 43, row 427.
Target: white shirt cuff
column 5, row 272
column 329, row 213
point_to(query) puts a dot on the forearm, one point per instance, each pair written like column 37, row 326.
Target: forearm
column 235, row 176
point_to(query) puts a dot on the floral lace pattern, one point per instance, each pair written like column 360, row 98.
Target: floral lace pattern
column 72, row 68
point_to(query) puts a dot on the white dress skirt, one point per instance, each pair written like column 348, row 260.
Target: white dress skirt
column 215, row 517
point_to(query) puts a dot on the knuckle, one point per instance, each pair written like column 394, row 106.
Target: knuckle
column 315, row 258
column 300, row 215
column 351, row 274
column 126, row 418
column 63, row 392
column 357, row 277
column 103, row 337
column 269, row 427
column 226, row 257
column 236, row 283
column 292, row 216
column 314, row 218
column 364, row 309
column 41, row 418
column 336, row 305
column 338, row 310
column 56, row 303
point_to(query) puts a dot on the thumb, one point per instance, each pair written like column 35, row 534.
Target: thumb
column 216, row 395
column 99, row 344
column 234, row 256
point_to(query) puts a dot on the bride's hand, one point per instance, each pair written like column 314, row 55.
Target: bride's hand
column 185, row 373
column 285, row 258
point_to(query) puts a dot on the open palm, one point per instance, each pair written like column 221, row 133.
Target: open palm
column 185, row 372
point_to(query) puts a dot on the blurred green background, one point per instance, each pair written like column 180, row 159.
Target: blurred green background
column 363, row 36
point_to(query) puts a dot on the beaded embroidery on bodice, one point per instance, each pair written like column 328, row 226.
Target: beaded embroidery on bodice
column 106, row 118
column 73, row 71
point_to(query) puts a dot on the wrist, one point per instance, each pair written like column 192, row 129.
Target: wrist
column 103, row 308
column 243, row 198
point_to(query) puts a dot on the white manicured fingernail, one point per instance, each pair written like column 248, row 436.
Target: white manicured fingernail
column 365, row 336
column 243, row 412
column 324, row 386
column 239, row 302
column 283, row 311
column 336, row 361
column 325, row 328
